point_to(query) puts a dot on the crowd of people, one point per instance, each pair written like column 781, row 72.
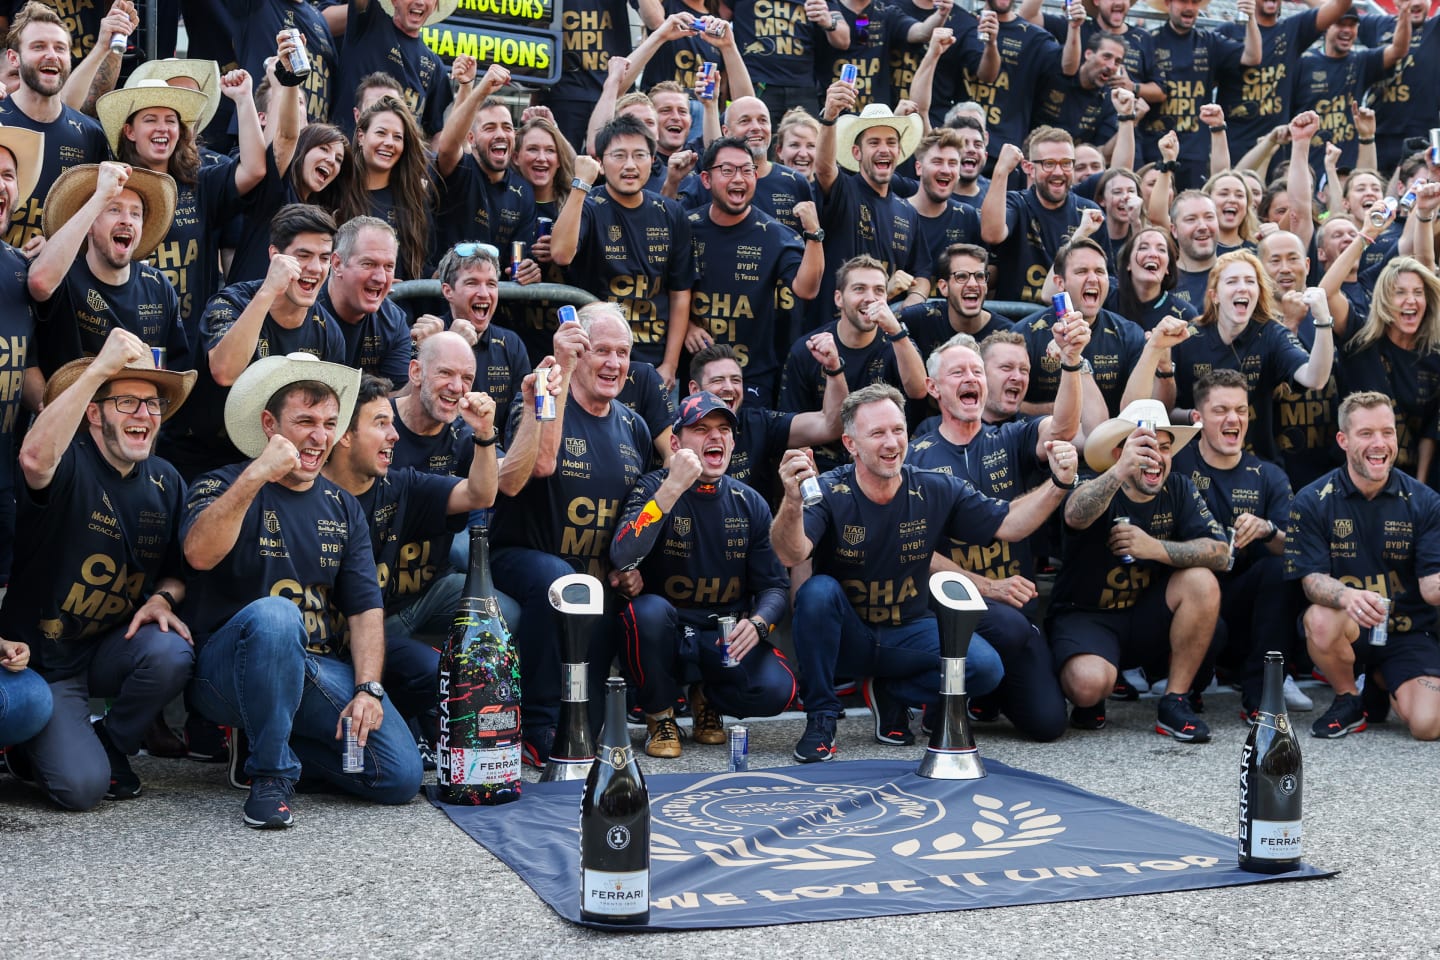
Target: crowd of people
column 892, row 287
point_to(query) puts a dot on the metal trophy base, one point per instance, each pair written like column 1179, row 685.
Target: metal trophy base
column 566, row 768
column 941, row 764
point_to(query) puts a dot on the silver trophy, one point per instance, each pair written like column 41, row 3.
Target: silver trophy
column 580, row 599
column 952, row 754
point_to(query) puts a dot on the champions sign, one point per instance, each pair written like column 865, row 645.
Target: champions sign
column 522, row 36
column 861, row 839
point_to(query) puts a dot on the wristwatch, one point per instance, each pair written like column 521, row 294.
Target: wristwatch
column 818, row 235
column 371, row 687
column 1082, row 368
column 898, row 335
column 761, row 627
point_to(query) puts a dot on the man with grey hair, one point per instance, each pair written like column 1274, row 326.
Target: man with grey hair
column 563, row 519
column 362, row 271
column 871, row 539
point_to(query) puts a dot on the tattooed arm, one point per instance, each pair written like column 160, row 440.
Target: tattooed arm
column 1325, row 590
column 1091, row 500
column 1363, row 606
column 1204, row 552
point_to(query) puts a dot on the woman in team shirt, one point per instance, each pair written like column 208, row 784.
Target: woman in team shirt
column 392, row 180
column 1145, row 273
column 1233, row 207
column 547, row 162
column 1118, row 193
column 1397, row 352
column 798, row 139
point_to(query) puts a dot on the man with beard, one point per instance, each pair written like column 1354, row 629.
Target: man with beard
column 961, row 273
column 876, row 530
column 1027, row 56
column 777, row 187
column 480, row 196
column 276, row 316
column 384, row 35
column 563, row 519
column 762, row 435
column 96, row 592
column 362, row 271
column 741, row 257
column 1108, row 17
column 1080, row 102
column 1191, row 60
column 1140, row 556
column 943, row 220
column 1000, row 462
column 1196, row 228
column 1356, row 583
column 701, row 542
column 1250, row 498
column 39, row 46
column 971, row 184
column 862, row 215
column 118, row 214
column 1029, row 226
column 1114, row 345
column 649, row 276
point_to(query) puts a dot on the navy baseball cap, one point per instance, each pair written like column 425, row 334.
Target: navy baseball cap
column 698, row 406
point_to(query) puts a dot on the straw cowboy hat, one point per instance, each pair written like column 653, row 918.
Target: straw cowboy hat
column 117, row 107
column 77, row 185
column 267, row 376
column 204, row 73
column 1101, row 443
column 850, row 126
column 174, row 385
column 443, row 9
column 28, row 148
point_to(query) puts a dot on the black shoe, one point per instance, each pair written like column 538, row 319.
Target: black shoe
column 1197, row 702
column 1346, row 715
column 14, row 761
column 124, row 784
column 269, row 805
column 160, row 741
column 1124, row 690
column 892, row 718
column 818, row 743
column 205, row 741
column 1088, row 718
column 1176, row 718
column 1376, row 701
column 984, row 709
column 238, row 753
column 427, row 754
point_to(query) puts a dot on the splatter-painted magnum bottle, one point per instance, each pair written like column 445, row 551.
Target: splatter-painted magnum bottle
column 479, row 749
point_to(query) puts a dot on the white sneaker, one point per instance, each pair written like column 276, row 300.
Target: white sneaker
column 1295, row 698
column 1137, row 679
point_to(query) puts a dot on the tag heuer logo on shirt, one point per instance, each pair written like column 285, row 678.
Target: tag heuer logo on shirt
column 272, row 522
column 852, row 534
column 575, row 446
column 94, row 301
column 681, row 526
column 1343, row 528
column 615, row 233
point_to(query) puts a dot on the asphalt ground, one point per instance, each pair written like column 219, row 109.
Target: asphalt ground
column 175, row 873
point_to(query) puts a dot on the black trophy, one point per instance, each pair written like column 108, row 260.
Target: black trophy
column 580, row 600
column 952, row 754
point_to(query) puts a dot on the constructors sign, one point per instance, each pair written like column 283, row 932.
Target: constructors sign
column 523, row 36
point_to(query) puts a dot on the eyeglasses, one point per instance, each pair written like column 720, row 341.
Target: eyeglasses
column 476, row 250
column 730, row 169
column 128, row 405
column 641, row 157
column 1049, row 166
column 965, row 276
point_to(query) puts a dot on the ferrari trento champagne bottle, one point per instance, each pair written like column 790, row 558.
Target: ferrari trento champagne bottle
column 1271, row 782
column 615, row 825
column 479, row 750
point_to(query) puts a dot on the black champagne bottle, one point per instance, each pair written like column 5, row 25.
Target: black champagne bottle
column 1271, row 782
column 479, row 750
column 615, row 825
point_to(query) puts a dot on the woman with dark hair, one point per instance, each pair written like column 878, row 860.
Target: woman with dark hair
column 1118, row 193
column 1145, row 273
column 393, row 181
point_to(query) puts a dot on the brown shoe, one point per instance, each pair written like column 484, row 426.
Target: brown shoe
column 706, row 724
column 662, row 736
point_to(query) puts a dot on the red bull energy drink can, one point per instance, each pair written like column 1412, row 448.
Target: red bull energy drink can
column 727, row 626
column 352, row 759
column 1380, row 633
column 708, row 70
column 849, row 73
column 543, row 225
column 158, row 355
column 517, row 254
column 1062, row 304
column 544, row 400
column 567, row 315
column 739, row 749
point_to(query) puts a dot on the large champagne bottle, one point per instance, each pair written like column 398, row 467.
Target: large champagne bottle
column 479, row 749
column 1271, row 782
column 615, row 825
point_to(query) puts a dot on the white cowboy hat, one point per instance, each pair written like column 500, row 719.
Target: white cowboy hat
column 115, row 108
column 205, row 74
column 1101, row 443
column 443, row 9
column 267, row 376
column 849, row 127
column 28, row 148
column 77, row 185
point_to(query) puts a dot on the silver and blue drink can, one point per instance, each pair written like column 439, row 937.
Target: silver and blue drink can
column 1145, row 425
column 567, row 315
column 700, row 24
column 1380, row 633
column 544, row 400
column 1062, row 304
column 1125, row 557
column 727, row 624
column 810, row 491
column 517, row 253
column 543, row 226
column 299, row 63
column 1230, row 560
column 1407, row 202
column 1434, row 154
column 158, row 355
column 849, row 73
column 707, row 77
column 352, row 760
column 739, row 749
column 118, row 43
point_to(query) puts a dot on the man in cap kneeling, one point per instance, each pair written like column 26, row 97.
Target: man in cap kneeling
column 1139, row 555
column 95, row 590
column 283, row 553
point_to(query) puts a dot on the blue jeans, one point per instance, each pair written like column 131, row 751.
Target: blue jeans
column 831, row 638
column 24, row 705
column 255, row 673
